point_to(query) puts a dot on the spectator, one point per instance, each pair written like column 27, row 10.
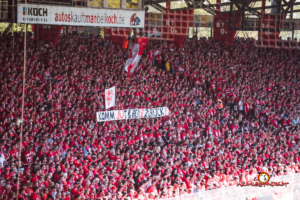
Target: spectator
column 234, row 114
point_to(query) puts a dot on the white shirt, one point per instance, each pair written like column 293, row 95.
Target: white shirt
column 2, row 158
column 241, row 105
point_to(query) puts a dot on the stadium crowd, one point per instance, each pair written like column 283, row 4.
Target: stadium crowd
column 234, row 113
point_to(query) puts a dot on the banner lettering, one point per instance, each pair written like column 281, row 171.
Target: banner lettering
column 72, row 16
column 132, row 114
column 222, row 32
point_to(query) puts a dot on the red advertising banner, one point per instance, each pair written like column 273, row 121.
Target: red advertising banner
column 117, row 35
column 175, row 25
column 270, row 37
column 49, row 34
column 170, row 26
column 222, row 32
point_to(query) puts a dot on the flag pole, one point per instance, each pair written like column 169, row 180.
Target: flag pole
column 22, row 115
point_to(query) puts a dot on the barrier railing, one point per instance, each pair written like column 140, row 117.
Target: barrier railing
column 289, row 192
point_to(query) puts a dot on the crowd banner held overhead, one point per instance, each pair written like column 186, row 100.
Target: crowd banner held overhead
column 222, row 32
column 135, row 55
column 132, row 114
column 84, row 16
column 110, row 97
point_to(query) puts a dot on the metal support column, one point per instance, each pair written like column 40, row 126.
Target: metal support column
column 278, row 9
column 274, row 10
column 140, row 4
column 291, row 16
column 231, row 15
column 105, row 3
column 243, row 15
column 293, row 31
column 218, row 7
column 123, row 4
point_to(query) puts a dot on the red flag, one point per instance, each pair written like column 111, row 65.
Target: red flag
column 130, row 68
column 136, row 54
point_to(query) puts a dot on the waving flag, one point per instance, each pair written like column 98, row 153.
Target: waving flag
column 135, row 55
column 110, row 97
column 130, row 68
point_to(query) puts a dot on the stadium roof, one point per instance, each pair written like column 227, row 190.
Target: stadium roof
column 251, row 6
column 251, row 11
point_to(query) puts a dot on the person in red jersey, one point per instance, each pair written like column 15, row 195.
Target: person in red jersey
column 35, row 195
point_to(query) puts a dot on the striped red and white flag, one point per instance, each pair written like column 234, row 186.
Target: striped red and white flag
column 135, row 55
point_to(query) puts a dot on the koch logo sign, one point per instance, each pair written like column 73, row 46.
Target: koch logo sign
column 38, row 12
column 33, row 14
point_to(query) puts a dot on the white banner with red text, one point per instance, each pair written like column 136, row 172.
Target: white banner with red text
column 72, row 16
column 132, row 114
column 110, row 97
